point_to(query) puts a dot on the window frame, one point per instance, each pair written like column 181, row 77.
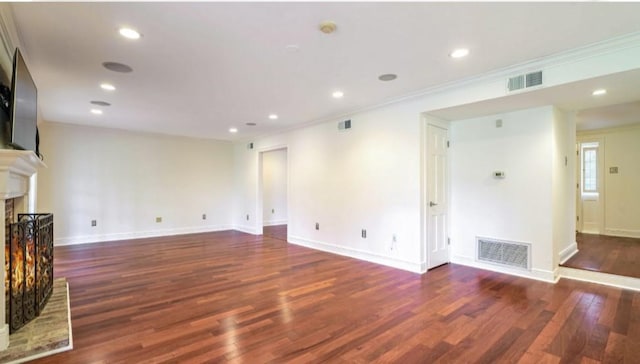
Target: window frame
column 590, row 147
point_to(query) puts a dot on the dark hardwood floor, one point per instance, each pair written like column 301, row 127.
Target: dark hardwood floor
column 275, row 231
column 234, row 297
column 608, row 254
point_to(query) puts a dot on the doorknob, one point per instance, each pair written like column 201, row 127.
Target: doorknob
column 431, row 204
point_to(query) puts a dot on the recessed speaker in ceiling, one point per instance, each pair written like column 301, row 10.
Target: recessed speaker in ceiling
column 117, row 67
column 387, row 77
column 101, row 103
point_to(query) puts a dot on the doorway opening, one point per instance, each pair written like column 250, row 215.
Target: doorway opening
column 274, row 186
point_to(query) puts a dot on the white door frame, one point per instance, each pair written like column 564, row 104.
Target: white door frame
column 600, row 181
column 258, row 225
column 427, row 120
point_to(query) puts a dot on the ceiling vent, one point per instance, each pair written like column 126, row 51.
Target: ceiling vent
column 524, row 81
column 344, row 125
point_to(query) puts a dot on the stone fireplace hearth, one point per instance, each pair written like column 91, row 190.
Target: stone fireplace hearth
column 17, row 181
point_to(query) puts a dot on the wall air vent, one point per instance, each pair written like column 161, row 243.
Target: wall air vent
column 344, row 125
column 524, row 81
column 507, row 253
column 516, row 83
column 534, row 79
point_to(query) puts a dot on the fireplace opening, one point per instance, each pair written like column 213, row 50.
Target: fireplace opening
column 28, row 265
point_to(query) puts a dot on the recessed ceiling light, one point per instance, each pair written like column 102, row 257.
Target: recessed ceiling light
column 273, row 116
column 337, row 94
column 96, row 111
column 129, row 33
column 459, row 53
column 117, row 67
column 251, row 124
column 107, row 86
column 233, row 130
column 599, row 92
column 387, row 77
column 100, row 103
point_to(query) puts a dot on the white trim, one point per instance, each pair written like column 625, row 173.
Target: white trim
column 625, row 233
column 600, row 278
column 275, row 222
column 534, row 273
column 246, row 229
column 414, row 267
column 98, row 238
column 566, row 253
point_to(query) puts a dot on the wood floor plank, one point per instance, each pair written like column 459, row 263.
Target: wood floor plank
column 230, row 297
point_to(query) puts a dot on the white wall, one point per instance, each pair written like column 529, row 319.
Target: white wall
column 124, row 180
column 517, row 208
column 364, row 178
column 274, row 187
column 621, row 197
column 563, row 189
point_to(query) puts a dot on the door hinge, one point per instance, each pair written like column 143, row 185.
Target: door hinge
column 448, row 241
column 577, row 218
column 447, row 144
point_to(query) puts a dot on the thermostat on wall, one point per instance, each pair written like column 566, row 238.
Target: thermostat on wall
column 498, row 174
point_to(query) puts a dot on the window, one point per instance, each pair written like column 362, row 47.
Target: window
column 589, row 169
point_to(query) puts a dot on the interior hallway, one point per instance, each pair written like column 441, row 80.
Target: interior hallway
column 607, row 254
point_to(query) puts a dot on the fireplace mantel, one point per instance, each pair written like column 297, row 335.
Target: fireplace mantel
column 16, row 169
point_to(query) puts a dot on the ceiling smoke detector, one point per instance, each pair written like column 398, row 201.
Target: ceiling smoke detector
column 327, row 27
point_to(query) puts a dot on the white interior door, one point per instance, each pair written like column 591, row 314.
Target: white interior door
column 437, row 197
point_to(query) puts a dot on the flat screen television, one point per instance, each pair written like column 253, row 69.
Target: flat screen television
column 24, row 106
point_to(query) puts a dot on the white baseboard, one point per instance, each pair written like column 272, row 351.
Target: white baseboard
column 246, row 229
column 625, row 233
column 568, row 252
column 537, row 274
column 73, row 240
column 414, row 267
column 600, row 278
column 274, row 222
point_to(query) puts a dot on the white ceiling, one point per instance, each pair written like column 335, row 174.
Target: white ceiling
column 620, row 106
column 201, row 68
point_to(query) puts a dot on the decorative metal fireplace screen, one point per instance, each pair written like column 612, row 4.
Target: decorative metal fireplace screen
column 28, row 268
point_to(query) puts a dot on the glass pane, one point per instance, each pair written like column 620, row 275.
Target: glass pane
column 589, row 170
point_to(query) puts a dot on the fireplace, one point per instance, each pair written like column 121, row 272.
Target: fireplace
column 18, row 181
column 28, row 265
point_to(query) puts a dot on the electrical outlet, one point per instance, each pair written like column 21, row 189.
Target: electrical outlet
column 247, row 217
column 317, row 226
column 158, row 219
column 204, row 216
column 364, row 233
column 94, row 223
